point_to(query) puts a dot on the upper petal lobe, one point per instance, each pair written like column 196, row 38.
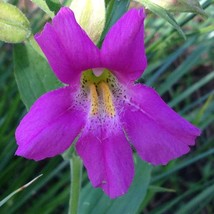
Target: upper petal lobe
column 123, row 48
column 51, row 125
column 67, row 47
column 158, row 133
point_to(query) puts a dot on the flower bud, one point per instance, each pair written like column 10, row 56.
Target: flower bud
column 14, row 26
column 90, row 15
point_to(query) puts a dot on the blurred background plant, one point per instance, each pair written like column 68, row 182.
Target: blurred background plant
column 182, row 71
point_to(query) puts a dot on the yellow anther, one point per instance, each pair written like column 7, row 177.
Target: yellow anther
column 107, row 98
column 94, row 99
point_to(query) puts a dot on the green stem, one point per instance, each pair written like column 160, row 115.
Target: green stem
column 76, row 178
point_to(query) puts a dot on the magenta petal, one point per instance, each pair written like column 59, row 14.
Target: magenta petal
column 157, row 132
column 67, row 47
column 51, row 125
column 108, row 161
column 123, row 48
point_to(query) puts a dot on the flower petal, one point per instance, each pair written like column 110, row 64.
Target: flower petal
column 67, row 47
column 123, row 48
column 108, row 159
column 51, row 125
column 158, row 133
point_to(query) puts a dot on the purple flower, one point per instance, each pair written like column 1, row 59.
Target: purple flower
column 102, row 105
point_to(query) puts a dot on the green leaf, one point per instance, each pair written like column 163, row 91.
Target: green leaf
column 180, row 71
column 44, row 6
column 2, row 202
column 54, row 5
column 194, row 203
column 160, row 189
column 203, row 109
column 182, row 6
column 35, row 46
column 208, row 78
column 33, row 74
column 159, row 11
column 115, row 9
column 182, row 165
column 95, row 201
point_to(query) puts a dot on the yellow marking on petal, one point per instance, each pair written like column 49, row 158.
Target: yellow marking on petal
column 107, row 98
column 94, row 99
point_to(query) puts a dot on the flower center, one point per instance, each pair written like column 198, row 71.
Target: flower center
column 107, row 98
column 100, row 92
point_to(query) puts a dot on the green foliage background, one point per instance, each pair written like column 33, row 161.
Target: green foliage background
column 182, row 71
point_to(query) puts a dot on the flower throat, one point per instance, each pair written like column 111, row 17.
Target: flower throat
column 100, row 92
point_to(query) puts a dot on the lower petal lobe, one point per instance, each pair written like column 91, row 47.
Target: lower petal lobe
column 51, row 125
column 107, row 157
column 157, row 132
